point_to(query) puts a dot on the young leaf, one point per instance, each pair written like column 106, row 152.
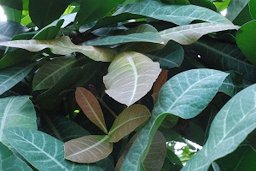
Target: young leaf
column 91, row 107
column 130, row 76
column 62, row 46
column 177, row 14
column 173, row 99
column 88, row 149
column 12, row 76
column 229, row 128
column 189, row 34
column 16, row 112
column 42, row 151
column 10, row 161
column 51, row 72
column 156, row 154
column 131, row 118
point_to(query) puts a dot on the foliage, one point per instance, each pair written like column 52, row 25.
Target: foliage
column 116, row 84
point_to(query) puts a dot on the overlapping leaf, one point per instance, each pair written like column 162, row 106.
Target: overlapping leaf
column 62, row 46
column 88, row 149
column 42, row 151
column 16, row 112
column 130, row 76
column 131, row 118
column 12, row 76
column 235, row 7
column 189, row 34
column 180, row 15
column 51, row 72
column 184, row 95
column 229, row 128
column 91, row 107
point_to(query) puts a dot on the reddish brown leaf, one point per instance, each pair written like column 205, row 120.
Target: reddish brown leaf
column 91, row 107
column 162, row 78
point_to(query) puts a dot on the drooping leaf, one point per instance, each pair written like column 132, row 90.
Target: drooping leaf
column 131, row 118
column 44, row 12
column 229, row 128
column 156, row 154
column 180, row 15
column 51, row 72
column 91, row 107
column 173, row 99
column 62, row 128
column 235, row 7
column 42, row 151
column 130, row 76
column 245, row 40
column 11, row 76
column 88, row 149
column 62, row 46
column 10, row 162
column 171, row 56
column 16, row 112
column 189, row 34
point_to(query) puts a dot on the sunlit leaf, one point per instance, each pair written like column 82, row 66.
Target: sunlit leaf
column 130, row 76
column 228, row 129
column 62, row 46
column 88, row 149
column 91, row 107
column 131, row 118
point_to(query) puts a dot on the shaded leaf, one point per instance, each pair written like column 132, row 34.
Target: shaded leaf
column 235, row 7
column 173, row 99
column 16, row 112
column 10, row 162
column 42, row 151
column 9, row 29
column 229, row 128
column 156, row 154
column 252, row 6
column 130, row 76
column 130, row 118
column 62, row 46
column 189, row 34
column 17, row 4
column 180, row 15
column 91, row 107
column 88, row 149
column 162, row 78
column 12, row 76
column 51, row 72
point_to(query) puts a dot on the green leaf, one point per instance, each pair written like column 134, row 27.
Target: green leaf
column 224, row 56
column 16, row 112
column 175, row 96
column 171, row 56
column 12, row 76
column 51, row 72
column 62, row 46
column 229, row 128
column 180, row 15
column 10, row 162
column 88, row 149
column 12, row 14
column 235, row 7
column 91, row 107
column 135, row 73
column 62, row 128
column 42, row 151
column 184, row 95
column 93, row 10
column 252, row 6
column 44, row 12
column 130, row 118
column 245, row 39
column 204, row 3
column 156, row 154
column 189, row 34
